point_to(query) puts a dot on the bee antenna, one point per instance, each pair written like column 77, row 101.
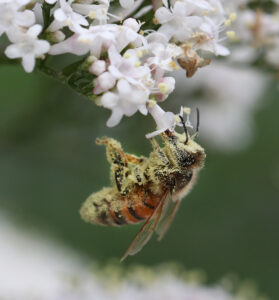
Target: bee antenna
column 185, row 129
column 198, row 120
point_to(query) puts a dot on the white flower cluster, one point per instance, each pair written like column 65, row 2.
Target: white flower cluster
column 129, row 62
column 258, row 34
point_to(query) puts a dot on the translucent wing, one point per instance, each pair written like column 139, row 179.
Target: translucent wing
column 147, row 229
column 168, row 212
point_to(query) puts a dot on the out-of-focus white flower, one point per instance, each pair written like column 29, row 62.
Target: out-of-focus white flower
column 37, row 267
column 11, row 18
column 27, row 46
column 122, row 103
column 65, row 16
column 226, row 104
column 126, row 3
column 211, row 42
column 273, row 53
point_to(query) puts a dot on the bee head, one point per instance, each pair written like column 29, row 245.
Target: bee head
column 182, row 148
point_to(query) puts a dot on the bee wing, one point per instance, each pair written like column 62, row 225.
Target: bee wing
column 168, row 212
column 146, row 231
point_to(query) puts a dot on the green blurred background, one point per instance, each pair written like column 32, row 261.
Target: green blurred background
column 49, row 164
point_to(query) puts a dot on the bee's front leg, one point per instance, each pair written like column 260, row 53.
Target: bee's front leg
column 118, row 161
column 160, row 153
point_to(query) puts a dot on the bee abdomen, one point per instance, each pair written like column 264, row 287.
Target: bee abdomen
column 109, row 207
column 96, row 208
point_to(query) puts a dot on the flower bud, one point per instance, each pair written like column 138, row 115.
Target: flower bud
column 98, row 67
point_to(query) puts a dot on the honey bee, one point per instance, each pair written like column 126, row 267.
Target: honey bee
column 146, row 188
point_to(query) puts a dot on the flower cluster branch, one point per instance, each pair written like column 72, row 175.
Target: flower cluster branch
column 129, row 48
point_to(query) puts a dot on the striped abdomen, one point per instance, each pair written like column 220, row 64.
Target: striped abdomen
column 108, row 207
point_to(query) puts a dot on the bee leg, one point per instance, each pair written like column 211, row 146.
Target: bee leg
column 133, row 159
column 118, row 161
column 161, row 154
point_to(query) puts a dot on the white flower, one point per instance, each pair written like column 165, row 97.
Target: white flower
column 164, row 120
column 176, row 22
column 211, row 43
column 127, row 66
column 126, row 100
column 27, row 46
column 163, row 56
column 70, row 45
column 96, row 39
column 16, row 3
column 11, row 18
column 65, row 16
column 97, row 13
column 126, row 3
column 103, row 83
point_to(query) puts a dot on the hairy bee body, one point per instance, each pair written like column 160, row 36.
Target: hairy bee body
column 140, row 182
column 109, row 207
column 145, row 188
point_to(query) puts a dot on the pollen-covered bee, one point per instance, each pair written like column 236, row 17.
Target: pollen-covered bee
column 146, row 188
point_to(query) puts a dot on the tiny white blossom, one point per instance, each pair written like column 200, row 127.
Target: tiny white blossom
column 164, row 120
column 176, row 22
column 97, row 13
column 126, row 66
column 122, row 103
column 27, row 46
column 65, row 16
column 11, row 18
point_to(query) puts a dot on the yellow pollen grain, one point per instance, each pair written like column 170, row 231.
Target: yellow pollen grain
column 68, row 23
column 127, row 55
column 155, row 21
column 141, row 32
column 163, row 88
column 152, row 103
column 92, row 14
column 85, row 41
column 231, row 34
column 233, row 17
column 186, row 110
column 176, row 119
column 228, row 23
column 137, row 64
column 139, row 53
column 173, row 65
column 204, row 13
